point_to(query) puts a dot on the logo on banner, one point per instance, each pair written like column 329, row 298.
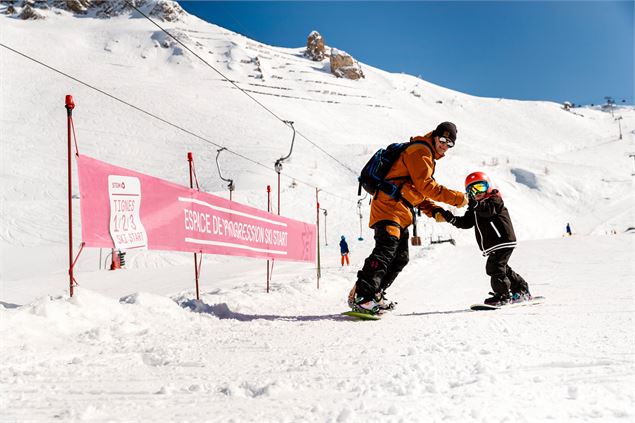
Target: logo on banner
column 126, row 229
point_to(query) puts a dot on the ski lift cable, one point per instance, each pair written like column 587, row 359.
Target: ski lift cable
column 236, row 85
column 154, row 116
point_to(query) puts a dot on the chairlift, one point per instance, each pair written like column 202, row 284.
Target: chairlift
column 278, row 164
column 230, row 182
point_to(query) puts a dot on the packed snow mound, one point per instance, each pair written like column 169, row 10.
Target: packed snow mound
column 568, row 359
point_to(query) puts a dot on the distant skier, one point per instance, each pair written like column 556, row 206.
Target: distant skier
column 568, row 229
column 344, row 251
column 495, row 237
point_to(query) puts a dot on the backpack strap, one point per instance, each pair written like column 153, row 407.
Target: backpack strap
column 394, row 192
column 414, row 140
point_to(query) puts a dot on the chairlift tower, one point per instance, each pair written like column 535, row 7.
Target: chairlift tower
column 619, row 123
column 610, row 102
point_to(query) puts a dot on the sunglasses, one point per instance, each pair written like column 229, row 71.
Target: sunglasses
column 447, row 141
column 477, row 188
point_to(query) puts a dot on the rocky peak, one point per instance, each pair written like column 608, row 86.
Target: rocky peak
column 343, row 65
column 315, row 46
column 165, row 10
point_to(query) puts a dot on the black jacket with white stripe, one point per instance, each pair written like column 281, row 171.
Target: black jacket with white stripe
column 492, row 225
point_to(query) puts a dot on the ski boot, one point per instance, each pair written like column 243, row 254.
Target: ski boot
column 497, row 299
column 384, row 303
column 518, row 297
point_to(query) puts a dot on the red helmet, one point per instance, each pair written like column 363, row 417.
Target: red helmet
column 477, row 183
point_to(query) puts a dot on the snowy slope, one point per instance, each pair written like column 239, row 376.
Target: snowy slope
column 134, row 346
column 243, row 355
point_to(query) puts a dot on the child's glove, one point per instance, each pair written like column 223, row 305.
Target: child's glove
column 438, row 214
column 449, row 217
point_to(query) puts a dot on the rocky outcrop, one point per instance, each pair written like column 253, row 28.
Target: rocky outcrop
column 315, row 47
column 29, row 13
column 344, row 65
column 76, row 6
column 165, row 10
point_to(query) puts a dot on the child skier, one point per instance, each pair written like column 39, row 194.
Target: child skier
column 495, row 236
column 344, row 250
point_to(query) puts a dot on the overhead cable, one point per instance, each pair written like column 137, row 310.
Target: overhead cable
column 167, row 122
column 237, row 86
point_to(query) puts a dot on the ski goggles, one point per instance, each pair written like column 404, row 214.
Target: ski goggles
column 477, row 188
column 447, row 141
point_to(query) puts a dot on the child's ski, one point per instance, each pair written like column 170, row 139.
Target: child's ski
column 535, row 300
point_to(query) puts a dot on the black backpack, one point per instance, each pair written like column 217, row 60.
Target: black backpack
column 372, row 177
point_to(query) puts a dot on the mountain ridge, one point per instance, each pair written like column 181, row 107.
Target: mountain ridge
column 166, row 10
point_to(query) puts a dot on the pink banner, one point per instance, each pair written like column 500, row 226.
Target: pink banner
column 124, row 209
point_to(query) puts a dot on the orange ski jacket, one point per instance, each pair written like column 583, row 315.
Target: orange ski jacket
column 413, row 174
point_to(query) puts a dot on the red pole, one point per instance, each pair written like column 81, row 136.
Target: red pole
column 269, row 210
column 70, row 105
column 190, row 159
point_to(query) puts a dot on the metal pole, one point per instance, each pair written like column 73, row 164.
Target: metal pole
column 317, row 201
column 70, row 105
column 269, row 210
column 189, row 160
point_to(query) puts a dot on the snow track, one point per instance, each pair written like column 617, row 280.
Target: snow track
column 243, row 355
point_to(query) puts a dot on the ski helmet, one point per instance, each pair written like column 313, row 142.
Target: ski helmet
column 477, row 183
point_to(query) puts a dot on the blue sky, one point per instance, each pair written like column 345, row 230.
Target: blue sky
column 580, row 51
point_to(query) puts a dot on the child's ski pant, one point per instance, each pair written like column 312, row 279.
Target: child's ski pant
column 502, row 278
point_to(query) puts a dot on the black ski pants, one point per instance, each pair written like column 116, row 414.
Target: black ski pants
column 388, row 258
column 502, row 277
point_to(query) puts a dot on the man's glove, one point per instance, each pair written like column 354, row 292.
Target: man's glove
column 464, row 202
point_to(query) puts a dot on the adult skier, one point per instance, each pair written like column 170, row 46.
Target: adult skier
column 390, row 218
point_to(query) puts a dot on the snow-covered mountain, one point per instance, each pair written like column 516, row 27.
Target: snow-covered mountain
column 553, row 167
column 164, row 10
